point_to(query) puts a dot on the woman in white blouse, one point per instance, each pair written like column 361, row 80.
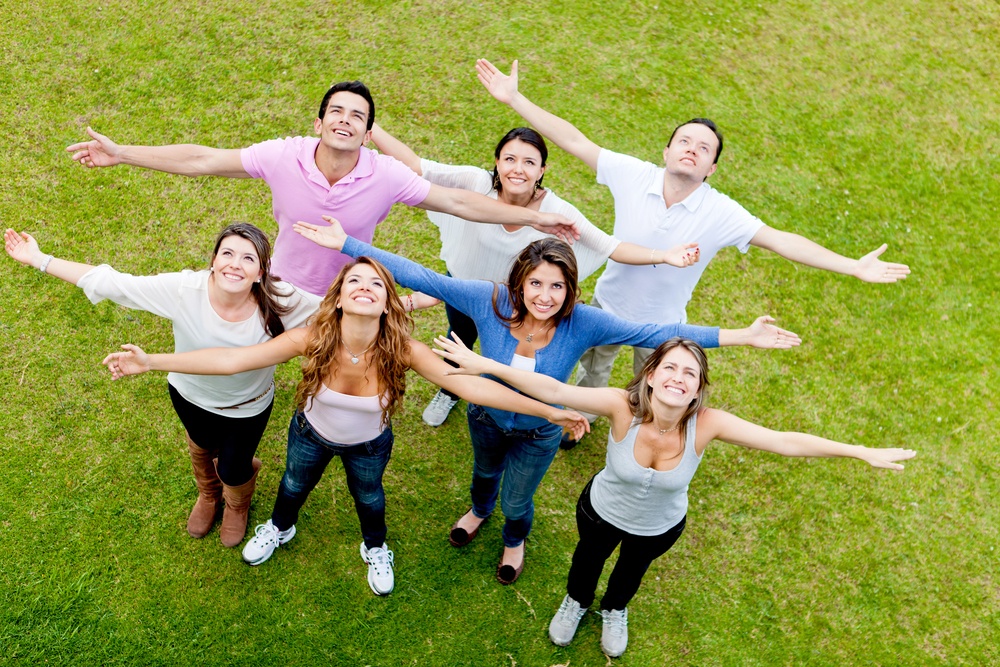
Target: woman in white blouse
column 485, row 252
column 234, row 303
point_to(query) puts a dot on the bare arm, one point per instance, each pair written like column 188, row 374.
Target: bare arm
column 560, row 132
column 730, row 428
column 679, row 256
column 869, row 268
column 212, row 360
column 599, row 401
column 473, row 206
column 393, row 147
column 24, row 248
column 183, row 159
column 483, row 391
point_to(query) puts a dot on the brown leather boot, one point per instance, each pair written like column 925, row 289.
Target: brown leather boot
column 209, row 491
column 234, row 518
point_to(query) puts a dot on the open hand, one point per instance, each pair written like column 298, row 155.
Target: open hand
column 332, row 236
column 23, row 247
column 871, row 269
column 132, row 361
column 886, row 457
column 682, row 255
column 100, row 152
column 454, row 350
column 763, row 334
column 501, row 86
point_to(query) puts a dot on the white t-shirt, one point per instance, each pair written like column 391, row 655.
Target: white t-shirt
column 706, row 217
column 475, row 251
column 182, row 298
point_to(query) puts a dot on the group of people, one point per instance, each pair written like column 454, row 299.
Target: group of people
column 329, row 296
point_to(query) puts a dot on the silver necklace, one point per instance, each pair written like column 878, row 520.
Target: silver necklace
column 664, row 431
column 530, row 336
column 354, row 357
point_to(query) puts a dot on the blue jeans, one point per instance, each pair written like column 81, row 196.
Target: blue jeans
column 517, row 458
column 308, row 455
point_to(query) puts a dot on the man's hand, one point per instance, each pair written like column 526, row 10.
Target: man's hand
column 100, row 152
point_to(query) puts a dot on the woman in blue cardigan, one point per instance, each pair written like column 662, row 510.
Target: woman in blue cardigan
column 534, row 323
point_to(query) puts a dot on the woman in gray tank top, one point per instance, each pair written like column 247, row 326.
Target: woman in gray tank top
column 659, row 431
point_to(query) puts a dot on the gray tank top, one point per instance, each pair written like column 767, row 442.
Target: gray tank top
column 639, row 500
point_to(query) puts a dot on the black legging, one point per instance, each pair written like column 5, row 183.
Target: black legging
column 465, row 327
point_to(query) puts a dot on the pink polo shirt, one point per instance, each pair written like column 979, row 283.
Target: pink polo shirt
column 360, row 200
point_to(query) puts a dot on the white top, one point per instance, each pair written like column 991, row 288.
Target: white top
column 344, row 419
column 706, row 217
column 475, row 251
column 182, row 298
column 639, row 500
column 523, row 363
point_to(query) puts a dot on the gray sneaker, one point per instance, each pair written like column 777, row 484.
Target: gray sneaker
column 437, row 410
column 614, row 637
column 380, row 577
column 563, row 625
column 266, row 539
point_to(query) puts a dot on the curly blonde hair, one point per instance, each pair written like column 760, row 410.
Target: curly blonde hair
column 390, row 353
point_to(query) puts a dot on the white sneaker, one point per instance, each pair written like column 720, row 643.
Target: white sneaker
column 614, row 637
column 379, row 560
column 437, row 410
column 563, row 625
column 266, row 539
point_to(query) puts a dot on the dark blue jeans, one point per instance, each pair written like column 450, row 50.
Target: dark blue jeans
column 515, row 459
column 308, row 455
column 598, row 540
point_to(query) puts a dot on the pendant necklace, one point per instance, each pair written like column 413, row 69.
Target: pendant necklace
column 531, row 336
column 354, row 357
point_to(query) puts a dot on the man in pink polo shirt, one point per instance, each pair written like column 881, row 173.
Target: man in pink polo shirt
column 331, row 174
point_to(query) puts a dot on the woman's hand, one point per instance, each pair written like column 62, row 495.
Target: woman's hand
column 573, row 422
column 132, row 361
column 23, row 247
column 886, row 457
column 501, row 86
column 682, row 255
column 469, row 363
column 332, row 237
column 766, row 336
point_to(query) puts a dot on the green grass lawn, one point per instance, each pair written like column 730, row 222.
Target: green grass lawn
column 853, row 123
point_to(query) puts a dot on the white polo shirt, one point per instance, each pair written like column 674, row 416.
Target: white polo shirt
column 709, row 218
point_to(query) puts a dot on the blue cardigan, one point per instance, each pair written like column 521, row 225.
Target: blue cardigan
column 586, row 327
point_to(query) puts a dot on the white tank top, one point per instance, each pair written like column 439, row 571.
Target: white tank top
column 344, row 419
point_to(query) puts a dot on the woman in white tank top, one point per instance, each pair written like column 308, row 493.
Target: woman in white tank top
column 357, row 350
column 659, row 431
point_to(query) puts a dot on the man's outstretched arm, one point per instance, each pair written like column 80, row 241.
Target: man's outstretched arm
column 869, row 268
column 560, row 132
column 183, row 159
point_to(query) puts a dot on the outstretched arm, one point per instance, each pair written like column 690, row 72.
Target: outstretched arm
column 595, row 400
column 183, row 159
column 480, row 208
column 560, row 132
column 730, row 428
column 762, row 334
column 679, row 256
column 212, row 360
column 393, row 147
column 483, row 391
column 24, row 248
column 869, row 268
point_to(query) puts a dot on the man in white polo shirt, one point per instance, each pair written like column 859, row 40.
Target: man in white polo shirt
column 661, row 206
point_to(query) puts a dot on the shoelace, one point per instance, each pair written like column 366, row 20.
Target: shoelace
column 616, row 622
column 566, row 611
column 441, row 400
column 382, row 559
column 266, row 533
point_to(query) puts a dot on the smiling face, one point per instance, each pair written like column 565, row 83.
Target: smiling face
column 544, row 291
column 236, row 265
column 519, row 167
column 344, row 125
column 677, row 379
column 691, row 152
column 363, row 292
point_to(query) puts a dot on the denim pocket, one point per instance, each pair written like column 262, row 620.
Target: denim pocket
column 382, row 445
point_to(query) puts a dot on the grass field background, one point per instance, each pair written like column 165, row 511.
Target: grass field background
column 852, row 123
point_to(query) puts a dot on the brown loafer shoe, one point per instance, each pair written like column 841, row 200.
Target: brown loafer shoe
column 508, row 574
column 459, row 537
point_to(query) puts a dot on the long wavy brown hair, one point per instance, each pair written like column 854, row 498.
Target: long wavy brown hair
column 638, row 390
column 390, row 354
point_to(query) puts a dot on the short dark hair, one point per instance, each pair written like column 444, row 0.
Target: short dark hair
column 355, row 87
column 707, row 123
column 528, row 136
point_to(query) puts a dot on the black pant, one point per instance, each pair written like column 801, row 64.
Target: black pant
column 236, row 438
column 465, row 327
column 598, row 540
